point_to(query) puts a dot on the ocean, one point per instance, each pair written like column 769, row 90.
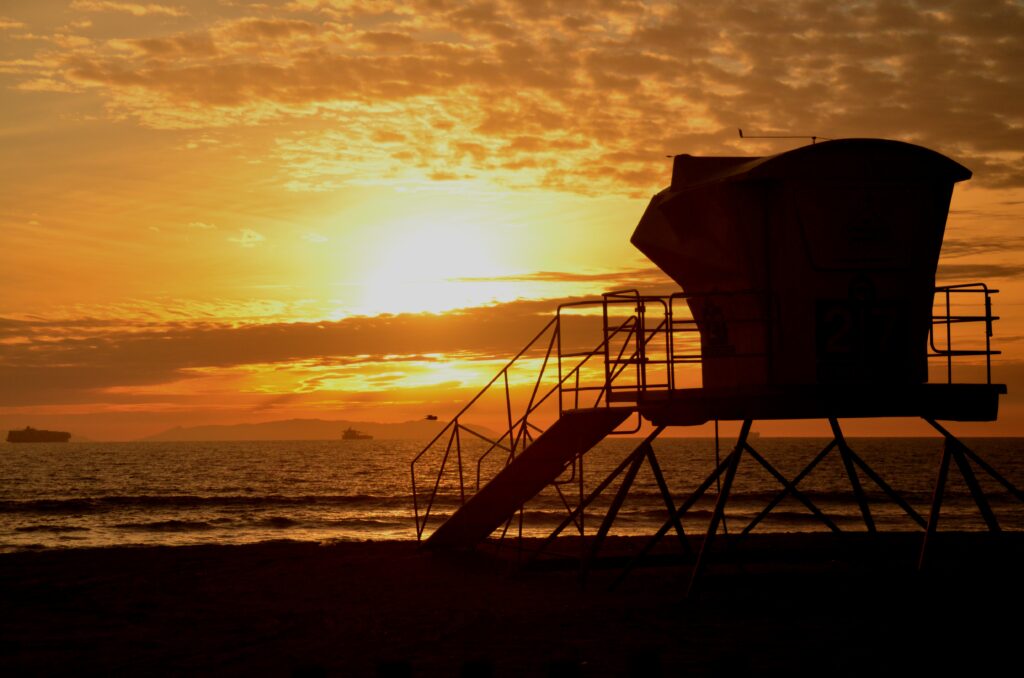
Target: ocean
column 73, row 495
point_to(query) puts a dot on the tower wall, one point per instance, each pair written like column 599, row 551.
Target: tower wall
column 812, row 266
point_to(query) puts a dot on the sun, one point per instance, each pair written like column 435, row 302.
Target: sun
column 432, row 265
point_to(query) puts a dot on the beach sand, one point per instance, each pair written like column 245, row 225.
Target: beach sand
column 778, row 605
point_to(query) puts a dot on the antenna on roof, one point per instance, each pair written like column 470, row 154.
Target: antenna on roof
column 814, row 139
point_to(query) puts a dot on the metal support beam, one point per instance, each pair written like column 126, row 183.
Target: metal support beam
column 975, row 488
column 723, row 497
column 933, row 515
column 860, row 463
column 613, row 511
column 782, row 495
column 639, row 452
column 642, row 451
column 847, row 456
column 984, row 465
column 572, row 512
column 680, row 512
column 891, row 493
column 666, row 496
column 853, row 464
column 956, row 449
column 791, row 489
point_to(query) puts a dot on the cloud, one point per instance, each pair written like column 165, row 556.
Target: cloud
column 314, row 237
column 958, row 247
column 64, row 362
column 7, row 24
column 584, row 96
column 44, row 85
column 201, row 225
column 133, row 8
column 156, row 374
column 648, row 275
column 80, row 360
column 956, row 273
column 248, row 238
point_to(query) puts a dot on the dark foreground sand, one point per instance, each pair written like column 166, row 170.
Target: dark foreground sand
column 799, row 605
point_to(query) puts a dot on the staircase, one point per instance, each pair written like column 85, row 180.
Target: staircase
column 578, row 398
column 575, row 432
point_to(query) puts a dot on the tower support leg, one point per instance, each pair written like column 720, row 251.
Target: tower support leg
column 884, row 486
column 678, row 515
column 957, row 449
column 851, row 472
column 633, row 458
column 933, row 515
column 642, row 452
column 613, row 511
column 723, row 497
column 667, row 497
column 975, row 488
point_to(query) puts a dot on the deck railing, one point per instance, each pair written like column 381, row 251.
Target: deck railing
column 951, row 315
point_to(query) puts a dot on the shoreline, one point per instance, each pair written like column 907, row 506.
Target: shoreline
column 796, row 603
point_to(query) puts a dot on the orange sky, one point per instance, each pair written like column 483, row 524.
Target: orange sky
column 219, row 212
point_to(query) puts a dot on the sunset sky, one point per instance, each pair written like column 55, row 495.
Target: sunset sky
column 225, row 212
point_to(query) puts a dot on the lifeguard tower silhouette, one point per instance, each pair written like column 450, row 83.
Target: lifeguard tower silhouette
column 808, row 292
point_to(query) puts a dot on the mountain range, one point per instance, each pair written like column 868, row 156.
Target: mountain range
column 303, row 429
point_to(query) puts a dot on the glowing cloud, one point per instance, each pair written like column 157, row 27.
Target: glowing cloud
column 248, row 238
column 133, row 8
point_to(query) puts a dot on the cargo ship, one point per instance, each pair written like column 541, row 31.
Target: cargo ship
column 352, row 434
column 34, row 435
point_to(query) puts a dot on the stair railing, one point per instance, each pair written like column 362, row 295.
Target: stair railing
column 519, row 432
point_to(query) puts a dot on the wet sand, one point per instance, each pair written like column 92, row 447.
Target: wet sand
column 778, row 605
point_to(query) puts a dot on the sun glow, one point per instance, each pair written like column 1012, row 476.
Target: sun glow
column 433, row 265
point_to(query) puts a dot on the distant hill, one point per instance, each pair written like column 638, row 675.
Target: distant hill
column 304, row 429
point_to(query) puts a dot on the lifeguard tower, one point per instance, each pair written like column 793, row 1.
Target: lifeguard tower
column 807, row 292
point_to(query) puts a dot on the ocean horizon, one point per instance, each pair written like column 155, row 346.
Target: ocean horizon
column 88, row 494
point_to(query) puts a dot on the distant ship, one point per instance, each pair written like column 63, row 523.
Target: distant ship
column 352, row 434
column 33, row 435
